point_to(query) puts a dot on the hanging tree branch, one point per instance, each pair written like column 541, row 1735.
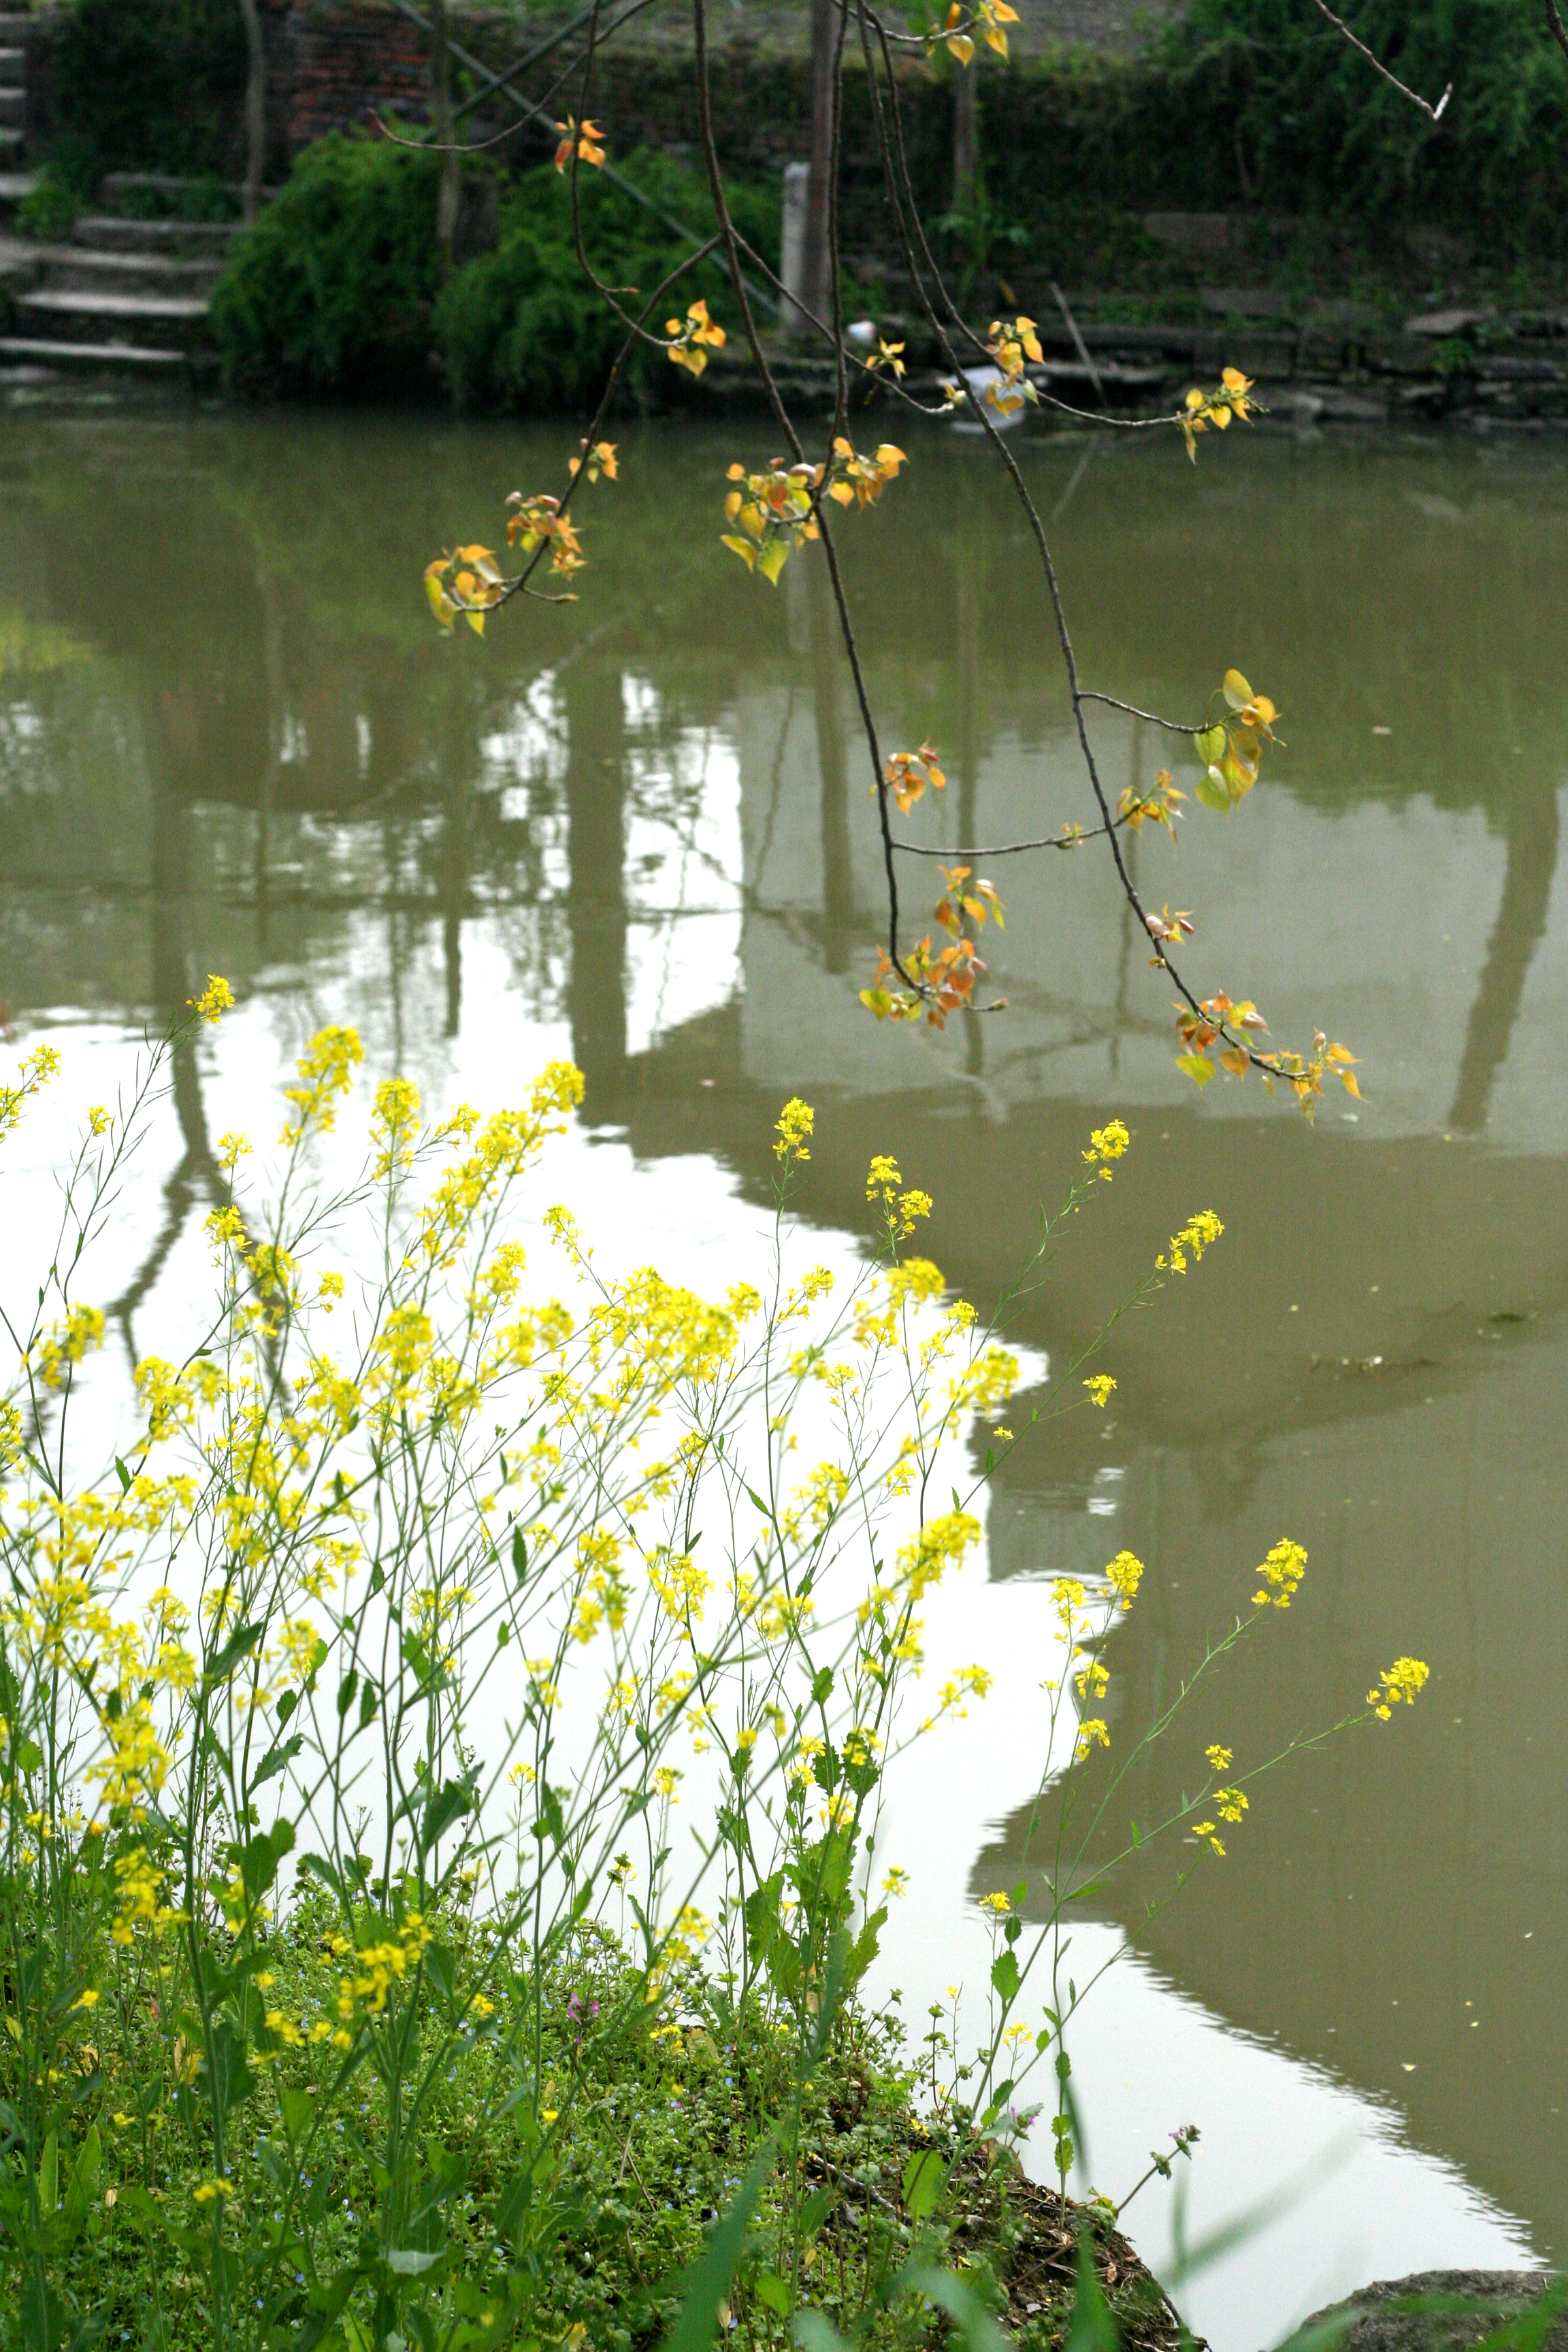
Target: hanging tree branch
column 786, row 506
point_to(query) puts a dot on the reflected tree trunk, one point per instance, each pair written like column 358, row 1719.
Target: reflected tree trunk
column 966, row 631
column 454, row 895
column 195, row 1176
column 596, row 894
column 838, row 869
column 458, row 736
column 276, row 715
column 1521, row 922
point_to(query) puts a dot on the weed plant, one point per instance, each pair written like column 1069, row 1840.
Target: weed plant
column 443, row 1741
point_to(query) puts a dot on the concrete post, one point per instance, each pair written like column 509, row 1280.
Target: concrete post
column 794, row 257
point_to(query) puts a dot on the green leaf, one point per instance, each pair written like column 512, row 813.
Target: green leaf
column 1236, row 689
column 274, row 1759
column 961, row 2304
column 444, row 1805
column 709, row 2281
column 408, row 2261
column 346, row 1689
column 441, row 1970
column 1092, row 2328
column 774, row 2292
column 299, row 2111
column 259, row 1857
column 816, row 2332
column 1005, row 1975
column 815, row 2211
column 316, row 1865
column 1213, row 793
column 85, row 2177
column 240, row 1644
column 518, row 1555
column 123, row 1474
column 1198, row 1067
column 925, row 2178
column 49, row 2174
column 42, row 2315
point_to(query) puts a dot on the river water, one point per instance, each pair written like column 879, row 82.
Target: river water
column 637, row 829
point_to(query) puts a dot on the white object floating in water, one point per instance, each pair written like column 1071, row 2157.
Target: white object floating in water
column 1004, row 401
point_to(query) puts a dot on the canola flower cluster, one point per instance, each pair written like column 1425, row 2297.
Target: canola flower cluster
column 323, row 1497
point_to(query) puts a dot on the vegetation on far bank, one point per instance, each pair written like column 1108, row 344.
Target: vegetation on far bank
column 1255, row 108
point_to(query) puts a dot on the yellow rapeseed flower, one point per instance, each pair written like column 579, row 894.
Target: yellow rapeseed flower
column 215, row 1000
column 1283, row 1570
column 793, row 1128
column 1402, row 1680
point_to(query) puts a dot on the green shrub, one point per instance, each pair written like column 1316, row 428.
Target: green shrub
column 1286, row 115
column 337, row 287
column 331, row 290
column 522, row 329
column 62, row 189
column 159, row 83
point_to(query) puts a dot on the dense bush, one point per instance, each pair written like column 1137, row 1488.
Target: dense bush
column 337, row 289
column 522, row 327
column 331, row 290
column 1288, row 117
column 154, row 83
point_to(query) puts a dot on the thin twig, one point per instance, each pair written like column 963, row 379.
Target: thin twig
column 1433, row 113
column 1171, row 726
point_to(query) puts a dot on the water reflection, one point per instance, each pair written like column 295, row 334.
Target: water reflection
column 230, row 742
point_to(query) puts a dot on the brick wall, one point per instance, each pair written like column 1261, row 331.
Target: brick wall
column 332, row 62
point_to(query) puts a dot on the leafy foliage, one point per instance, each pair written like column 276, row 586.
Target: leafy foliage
column 152, row 82
column 522, row 327
column 330, row 290
column 336, row 289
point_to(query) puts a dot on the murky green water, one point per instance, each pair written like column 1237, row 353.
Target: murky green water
column 638, row 828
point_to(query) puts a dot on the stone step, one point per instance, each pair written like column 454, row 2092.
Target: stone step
column 77, row 269
column 109, row 318
column 15, row 187
column 105, row 233
column 145, row 358
column 10, row 140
